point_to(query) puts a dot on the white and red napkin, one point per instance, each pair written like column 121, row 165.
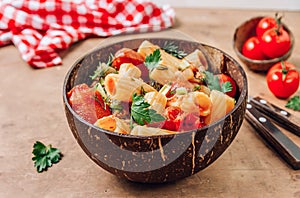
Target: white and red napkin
column 41, row 28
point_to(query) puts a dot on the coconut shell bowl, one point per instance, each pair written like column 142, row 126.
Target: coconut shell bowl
column 159, row 158
column 245, row 31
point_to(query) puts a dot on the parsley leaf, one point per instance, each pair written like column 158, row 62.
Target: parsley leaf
column 172, row 49
column 213, row 83
column 294, row 103
column 226, row 87
column 152, row 60
column 103, row 69
column 141, row 113
column 45, row 156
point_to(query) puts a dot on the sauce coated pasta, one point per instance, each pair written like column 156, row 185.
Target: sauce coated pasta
column 149, row 91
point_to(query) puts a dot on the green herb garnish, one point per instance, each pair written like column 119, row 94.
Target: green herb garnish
column 45, row 156
column 294, row 103
column 141, row 113
column 172, row 49
column 197, row 88
column 213, row 83
column 226, row 87
column 152, row 60
column 103, row 68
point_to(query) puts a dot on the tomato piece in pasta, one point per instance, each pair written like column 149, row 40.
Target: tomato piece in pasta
column 88, row 103
column 126, row 55
column 191, row 122
column 172, row 125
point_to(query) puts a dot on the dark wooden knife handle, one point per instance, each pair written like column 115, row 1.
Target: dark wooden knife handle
column 285, row 147
column 280, row 116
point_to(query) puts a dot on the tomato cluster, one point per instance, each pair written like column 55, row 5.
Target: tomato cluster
column 271, row 40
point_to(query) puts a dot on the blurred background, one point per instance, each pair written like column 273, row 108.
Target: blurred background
column 241, row 4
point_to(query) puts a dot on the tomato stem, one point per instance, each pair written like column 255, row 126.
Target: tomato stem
column 278, row 22
column 284, row 70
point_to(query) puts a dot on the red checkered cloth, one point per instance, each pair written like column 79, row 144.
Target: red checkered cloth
column 40, row 28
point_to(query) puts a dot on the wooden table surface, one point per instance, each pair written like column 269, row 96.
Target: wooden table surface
column 32, row 109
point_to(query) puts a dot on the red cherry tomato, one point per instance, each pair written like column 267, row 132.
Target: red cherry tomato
column 170, row 93
column 252, row 49
column 172, row 125
column 225, row 78
column 173, row 118
column 191, row 122
column 172, row 112
column 275, row 42
column 126, row 55
column 283, row 79
column 265, row 24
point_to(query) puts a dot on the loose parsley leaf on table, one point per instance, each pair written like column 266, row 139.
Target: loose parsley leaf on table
column 141, row 113
column 294, row 103
column 45, row 156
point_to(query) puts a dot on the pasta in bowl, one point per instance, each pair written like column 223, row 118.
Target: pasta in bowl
column 149, row 114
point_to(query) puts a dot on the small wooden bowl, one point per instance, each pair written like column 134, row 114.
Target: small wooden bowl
column 245, row 31
column 161, row 158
